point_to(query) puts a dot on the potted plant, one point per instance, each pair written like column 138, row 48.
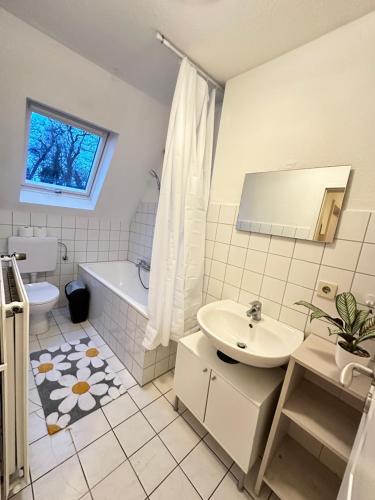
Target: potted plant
column 353, row 327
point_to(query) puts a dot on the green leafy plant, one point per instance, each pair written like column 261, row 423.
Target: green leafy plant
column 353, row 326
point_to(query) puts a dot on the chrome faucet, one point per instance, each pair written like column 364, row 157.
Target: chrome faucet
column 143, row 264
column 255, row 311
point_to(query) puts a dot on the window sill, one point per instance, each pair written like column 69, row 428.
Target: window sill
column 65, row 200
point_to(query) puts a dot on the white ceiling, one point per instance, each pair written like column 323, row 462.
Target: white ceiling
column 225, row 37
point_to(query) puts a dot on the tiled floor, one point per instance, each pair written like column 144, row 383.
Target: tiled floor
column 137, row 447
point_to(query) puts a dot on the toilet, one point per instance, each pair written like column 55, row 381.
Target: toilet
column 41, row 256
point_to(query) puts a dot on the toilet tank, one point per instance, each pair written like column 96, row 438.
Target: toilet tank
column 41, row 253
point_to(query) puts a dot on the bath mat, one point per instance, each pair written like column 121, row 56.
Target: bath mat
column 73, row 380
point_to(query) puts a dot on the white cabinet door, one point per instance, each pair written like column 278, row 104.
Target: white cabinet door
column 231, row 419
column 191, row 381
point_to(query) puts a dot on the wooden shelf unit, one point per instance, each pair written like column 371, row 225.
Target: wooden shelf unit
column 327, row 412
column 291, row 461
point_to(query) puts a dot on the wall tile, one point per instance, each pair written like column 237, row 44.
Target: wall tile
column 237, row 256
column 273, row 289
column 218, row 270
column 21, row 218
column 281, row 246
column 308, row 250
column 213, row 212
column 5, row 217
column 342, row 278
column 343, row 254
column 233, row 275
column 294, row 293
column 370, row 233
column 293, row 318
column 53, row 220
column 352, row 226
column 227, row 214
column 363, row 284
column 366, row 263
column 303, row 273
column 251, row 282
column 68, row 221
column 255, row 261
column 38, row 219
column 221, row 251
column 277, row 266
column 240, row 238
column 259, row 242
column 223, row 233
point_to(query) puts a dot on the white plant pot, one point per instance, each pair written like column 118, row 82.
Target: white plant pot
column 343, row 358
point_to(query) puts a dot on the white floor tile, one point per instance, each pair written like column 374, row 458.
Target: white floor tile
column 68, row 326
column 109, row 449
column 25, row 494
column 176, row 486
column 152, row 464
column 54, row 341
column 228, row 489
column 75, row 335
column 66, row 482
column 34, row 345
column 122, row 483
column 159, row 413
column 250, row 481
column 120, row 409
column 89, row 428
column 126, row 379
column 48, row 452
column 204, row 469
column 90, row 330
column 134, row 433
column 171, row 396
column 179, row 438
column 114, row 363
column 98, row 341
column 31, row 380
column 37, row 426
column 164, row 383
column 144, row 395
column 34, row 400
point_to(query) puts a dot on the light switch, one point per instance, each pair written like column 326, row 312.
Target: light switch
column 327, row 290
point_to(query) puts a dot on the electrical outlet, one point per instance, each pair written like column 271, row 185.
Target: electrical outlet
column 327, row 290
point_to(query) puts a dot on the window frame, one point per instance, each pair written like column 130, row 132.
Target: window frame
column 55, row 189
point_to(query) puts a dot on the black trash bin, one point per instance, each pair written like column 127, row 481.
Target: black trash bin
column 78, row 298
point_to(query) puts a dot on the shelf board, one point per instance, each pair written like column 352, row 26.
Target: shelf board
column 295, row 474
column 318, row 356
column 327, row 418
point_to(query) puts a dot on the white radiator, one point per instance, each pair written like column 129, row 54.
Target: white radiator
column 14, row 364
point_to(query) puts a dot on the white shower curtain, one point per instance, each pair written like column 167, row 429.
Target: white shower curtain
column 177, row 264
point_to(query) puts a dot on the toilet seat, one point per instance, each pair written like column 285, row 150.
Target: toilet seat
column 41, row 293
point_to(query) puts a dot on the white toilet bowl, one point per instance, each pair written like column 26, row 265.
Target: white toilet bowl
column 42, row 298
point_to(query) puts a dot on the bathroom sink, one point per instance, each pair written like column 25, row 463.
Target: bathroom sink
column 266, row 343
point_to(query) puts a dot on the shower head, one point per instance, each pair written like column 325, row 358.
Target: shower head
column 156, row 177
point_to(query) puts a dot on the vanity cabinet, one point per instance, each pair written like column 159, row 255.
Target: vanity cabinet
column 234, row 402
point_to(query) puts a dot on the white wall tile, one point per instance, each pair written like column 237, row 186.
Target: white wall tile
column 251, row 282
column 277, row 266
column 272, row 289
column 341, row 277
column 53, row 220
column 240, row 238
column 281, row 246
column 6, row 230
column 233, row 275
column 230, row 292
column 211, row 228
column 213, row 212
column 271, row 308
column 293, row 318
column 259, row 242
column 227, row 214
column 303, row 273
column 255, row 261
column 223, row 233
column 370, row 233
column 246, row 297
column 38, row 219
column 221, row 251
column 5, row 216
column 21, row 218
column 218, row 270
column 237, row 256
column 68, row 221
column 366, row 262
column 308, row 250
column 294, row 293
column 82, row 222
column 343, row 254
column 352, row 226
column 215, row 287
column 363, row 284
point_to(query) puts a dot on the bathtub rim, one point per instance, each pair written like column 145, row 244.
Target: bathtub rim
column 142, row 309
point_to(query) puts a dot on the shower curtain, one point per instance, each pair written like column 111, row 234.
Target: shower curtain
column 177, row 264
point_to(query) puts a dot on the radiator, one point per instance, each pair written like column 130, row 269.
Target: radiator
column 14, row 365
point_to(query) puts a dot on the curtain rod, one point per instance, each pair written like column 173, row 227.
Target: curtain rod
column 181, row 55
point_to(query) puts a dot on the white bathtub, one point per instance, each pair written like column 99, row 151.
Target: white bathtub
column 122, row 278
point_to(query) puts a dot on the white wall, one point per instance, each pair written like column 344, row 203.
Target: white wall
column 314, row 106
column 36, row 66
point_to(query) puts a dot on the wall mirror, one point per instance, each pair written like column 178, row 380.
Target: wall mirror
column 303, row 203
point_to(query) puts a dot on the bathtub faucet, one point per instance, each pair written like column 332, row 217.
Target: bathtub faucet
column 143, row 264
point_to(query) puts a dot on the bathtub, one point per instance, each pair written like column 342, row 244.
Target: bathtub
column 118, row 311
column 122, row 278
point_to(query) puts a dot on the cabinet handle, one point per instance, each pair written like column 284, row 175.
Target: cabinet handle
column 213, row 377
column 205, row 370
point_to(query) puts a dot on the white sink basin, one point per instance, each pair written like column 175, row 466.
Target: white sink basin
column 268, row 343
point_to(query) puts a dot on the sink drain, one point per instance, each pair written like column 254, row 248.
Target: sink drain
column 241, row 345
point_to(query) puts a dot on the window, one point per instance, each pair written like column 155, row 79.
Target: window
column 64, row 159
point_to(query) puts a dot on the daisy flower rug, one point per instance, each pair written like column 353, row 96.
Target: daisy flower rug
column 73, row 380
